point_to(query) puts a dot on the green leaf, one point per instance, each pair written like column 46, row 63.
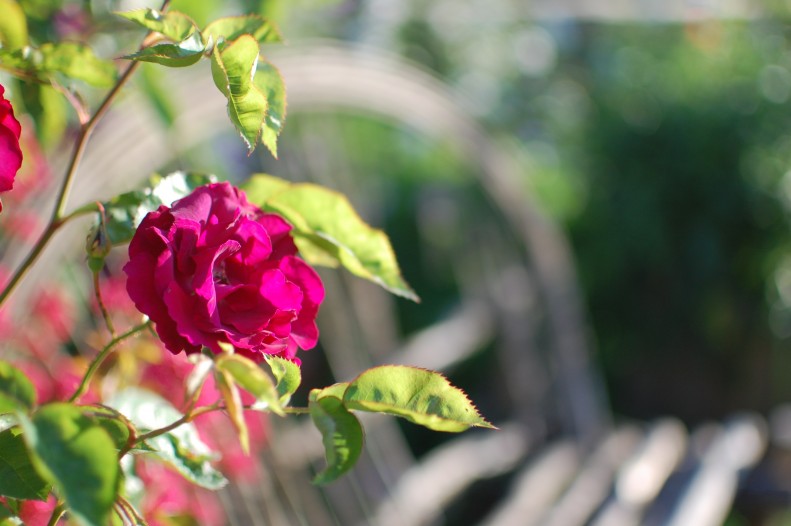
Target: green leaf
column 326, row 224
column 341, row 432
column 173, row 25
column 13, row 25
column 270, row 82
column 72, row 59
column 233, row 66
column 288, row 376
column 16, row 391
column 232, row 27
column 124, row 212
column 182, row 448
column 179, row 55
column 424, row 397
column 118, row 427
column 48, row 108
column 78, row 457
column 77, row 61
column 18, row 477
column 250, row 377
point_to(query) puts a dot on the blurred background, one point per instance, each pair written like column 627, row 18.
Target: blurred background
column 651, row 143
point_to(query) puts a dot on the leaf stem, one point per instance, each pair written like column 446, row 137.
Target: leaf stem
column 183, row 420
column 108, row 321
column 58, row 217
column 104, row 353
column 57, row 513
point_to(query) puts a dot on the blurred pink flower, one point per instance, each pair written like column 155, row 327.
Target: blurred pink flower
column 169, row 495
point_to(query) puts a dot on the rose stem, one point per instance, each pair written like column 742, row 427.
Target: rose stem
column 58, row 219
column 97, row 361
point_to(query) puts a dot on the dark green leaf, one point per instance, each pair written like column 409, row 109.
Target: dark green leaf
column 250, row 377
column 16, row 391
column 18, row 477
column 269, row 81
column 13, row 25
column 326, row 226
column 173, row 25
column 232, row 68
column 232, row 27
column 182, row 448
column 288, row 376
column 78, row 457
column 424, row 397
column 124, row 212
column 341, row 434
column 179, row 55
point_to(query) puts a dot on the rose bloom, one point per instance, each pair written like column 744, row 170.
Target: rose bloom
column 10, row 153
column 214, row 269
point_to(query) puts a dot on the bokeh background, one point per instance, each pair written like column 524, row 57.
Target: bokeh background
column 656, row 137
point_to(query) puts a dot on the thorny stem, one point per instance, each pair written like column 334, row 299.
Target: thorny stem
column 58, row 217
column 104, row 353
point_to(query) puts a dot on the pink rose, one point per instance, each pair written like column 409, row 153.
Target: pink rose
column 214, row 269
column 10, row 153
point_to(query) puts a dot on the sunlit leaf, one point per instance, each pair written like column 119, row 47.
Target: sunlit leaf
column 250, row 377
column 233, row 66
column 124, row 212
column 77, row 61
column 326, row 224
column 179, row 55
column 16, row 391
column 78, row 457
column 18, row 477
column 173, row 25
column 232, row 27
column 182, row 448
column 341, row 432
column 270, row 82
column 288, row 376
column 70, row 59
column 424, row 397
column 13, row 25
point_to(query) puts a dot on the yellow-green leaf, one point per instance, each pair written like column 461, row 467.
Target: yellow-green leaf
column 341, row 432
column 250, row 377
column 173, row 25
column 179, row 55
column 270, row 82
column 288, row 377
column 13, row 25
column 233, row 66
column 424, row 397
column 232, row 27
column 326, row 226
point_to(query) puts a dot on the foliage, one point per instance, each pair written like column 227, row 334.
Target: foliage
column 84, row 452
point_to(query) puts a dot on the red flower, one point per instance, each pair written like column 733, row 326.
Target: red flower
column 214, row 270
column 10, row 153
